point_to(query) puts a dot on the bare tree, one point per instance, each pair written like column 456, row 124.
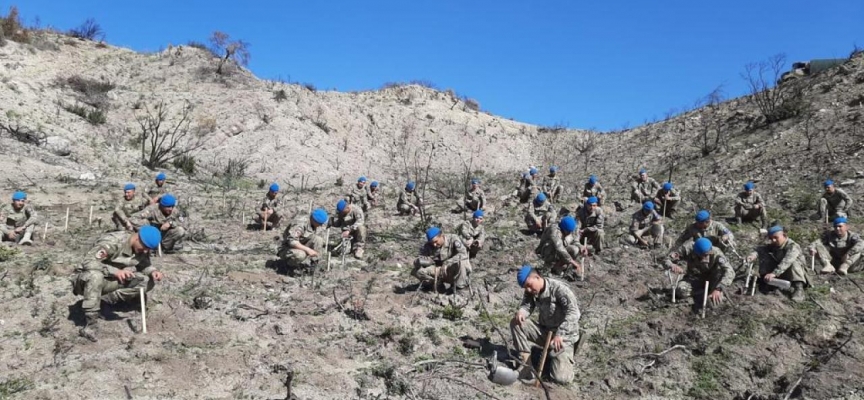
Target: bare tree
column 710, row 134
column 775, row 102
column 165, row 137
column 236, row 51
column 88, row 30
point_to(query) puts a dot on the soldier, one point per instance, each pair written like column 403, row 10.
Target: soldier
column 552, row 185
column 781, row 259
column 749, row 206
column 643, row 187
column 374, row 194
column 165, row 216
column 126, row 206
column 154, row 192
column 559, row 246
column 359, row 194
column 591, row 219
column 303, row 240
column 667, row 199
column 834, row 202
column 645, row 221
column 558, row 314
column 528, row 186
column 19, row 219
column 705, row 263
column 593, row 188
column 472, row 233
column 409, row 202
column 540, row 214
column 113, row 271
column 269, row 208
column 704, row 226
column 475, row 199
column 350, row 218
column 839, row 248
column 443, row 256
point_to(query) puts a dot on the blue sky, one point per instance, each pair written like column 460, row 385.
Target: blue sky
column 599, row 64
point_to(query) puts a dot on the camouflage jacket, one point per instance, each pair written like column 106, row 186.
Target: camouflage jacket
column 152, row 215
column 272, row 204
column 838, row 247
column 550, row 183
column 557, row 307
column 716, row 264
column 407, row 197
column 112, row 253
column 715, row 231
column 152, row 190
column 125, row 208
column 358, row 195
column 595, row 190
column 641, row 220
column 476, row 195
column 838, row 200
column 780, row 258
column 553, row 245
column 301, row 231
column 674, row 195
column 470, row 233
column 350, row 221
column 591, row 222
column 747, row 202
column 25, row 217
column 453, row 250
column 372, row 195
column 546, row 210
column 646, row 188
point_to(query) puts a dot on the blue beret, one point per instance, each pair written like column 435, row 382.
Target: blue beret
column 643, row 171
column 774, row 229
column 160, row 176
column 829, row 183
column 591, row 200
column 749, row 186
column 432, row 233
column 648, row 206
column 19, row 196
column 478, row 214
column 532, row 171
column 475, row 181
column 150, row 236
column 340, row 206
column 523, row 274
column 667, row 186
column 320, row 216
column 274, row 187
column 839, row 221
column 702, row 246
column 568, row 224
column 168, row 200
column 128, row 186
column 702, row 216
column 374, row 184
column 361, row 179
column 553, row 169
column 592, row 179
column 410, row 185
column 540, row 199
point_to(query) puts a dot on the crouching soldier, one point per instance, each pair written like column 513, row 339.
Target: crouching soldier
column 444, row 259
column 593, row 188
column 155, row 191
column 359, row 194
column 552, row 185
column 839, row 249
column 475, row 199
column 706, row 227
column 303, row 240
column 591, row 219
column 781, row 259
column 409, row 202
column 749, row 206
column 643, row 187
column 18, row 220
column 126, row 206
column 705, row 263
column 473, row 234
column 528, row 186
column 558, row 320
column 166, row 217
column 115, row 270
column 559, row 246
column 540, row 214
column 834, row 202
column 268, row 211
column 644, row 222
column 350, row 218
column 374, row 194
column 666, row 200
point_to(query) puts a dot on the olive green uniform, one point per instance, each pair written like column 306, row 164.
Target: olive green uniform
column 543, row 216
column 302, row 232
column 154, row 191
column 716, row 270
column 746, row 210
column 785, row 262
column 472, row 236
column 835, row 251
column 642, row 223
column 670, row 204
column 714, row 232
column 556, row 249
column 360, row 196
column 552, row 187
column 450, row 262
column 26, row 218
column 272, row 204
column 124, row 209
column 475, row 200
column 153, row 216
column 527, row 188
column 592, row 227
column 355, row 222
column 642, row 191
column 408, row 203
column 834, row 205
column 595, row 190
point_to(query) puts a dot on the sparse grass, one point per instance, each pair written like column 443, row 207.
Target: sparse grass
column 708, row 370
column 13, row 386
column 280, row 95
column 433, row 335
column 452, row 313
column 396, row 384
column 88, row 30
column 8, row 253
column 185, row 163
column 407, row 343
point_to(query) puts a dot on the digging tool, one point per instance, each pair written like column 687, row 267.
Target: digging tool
column 582, row 270
column 753, row 289
column 543, row 357
column 143, row 311
column 673, row 284
column 500, row 374
column 265, row 221
column 780, row 283
column 66, row 225
column 160, row 250
column 705, row 300
column 749, row 275
column 244, row 219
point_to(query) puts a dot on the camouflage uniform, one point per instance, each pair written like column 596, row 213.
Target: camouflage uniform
column 835, row 251
column 557, row 250
column 353, row 221
column 372, row 196
column 472, row 236
column 552, row 187
column 407, row 202
column 592, row 227
column 595, row 190
column 154, row 190
column 559, row 312
column 642, row 191
column 714, row 232
column 124, row 210
column 527, row 188
column 543, row 215
column 268, row 203
column 26, row 217
column 359, row 196
column 94, row 277
column 671, row 203
column 641, row 224
column 450, row 261
column 474, row 200
column 716, row 270
column 785, row 262
column 745, row 210
column 152, row 215
column 301, row 231
column 834, row 205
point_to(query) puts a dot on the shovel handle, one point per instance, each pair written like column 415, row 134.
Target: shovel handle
column 543, row 357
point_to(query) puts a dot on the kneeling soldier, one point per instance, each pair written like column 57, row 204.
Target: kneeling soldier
column 666, row 200
column 350, row 218
column 269, row 208
column 445, row 257
column 749, row 206
column 552, row 185
column 18, row 220
column 705, row 263
column 834, row 202
column 126, row 206
column 359, row 194
column 704, row 226
column 303, row 240
column 592, row 219
column 540, row 214
column 475, row 199
column 166, row 217
column 782, row 259
column 472, row 233
column 643, row 222
column 839, row 248
column 559, row 246
column 409, row 201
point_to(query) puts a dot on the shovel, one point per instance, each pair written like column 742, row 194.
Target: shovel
column 500, row 374
column 780, row 283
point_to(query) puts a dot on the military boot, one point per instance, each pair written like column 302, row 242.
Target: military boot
column 25, row 240
column 827, row 269
column 526, row 373
column 111, row 298
column 844, row 269
column 798, row 291
column 89, row 330
column 358, row 253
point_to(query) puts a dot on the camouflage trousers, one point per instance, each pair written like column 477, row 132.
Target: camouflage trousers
column 118, row 222
column 827, row 212
column 172, row 237
column 751, row 214
column 406, row 209
column 690, row 284
column 358, row 238
column 826, row 258
column 560, row 362
column 597, row 239
column 5, row 229
column 95, row 286
column 474, row 247
column 670, row 210
column 557, row 264
column 554, row 194
column 543, row 220
column 272, row 220
column 471, row 205
column 455, row 274
column 795, row 273
column 632, row 238
column 299, row 258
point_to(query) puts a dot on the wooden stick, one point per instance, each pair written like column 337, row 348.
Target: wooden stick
column 582, row 271
column 543, row 358
column 675, row 288
column 160, row 249
column 813, row 263
column 143, row 311
column 265, row 221
column 244, row 219
column 749, row 275
column 705, row 300
column 90, row 220
column 45, row 232
column 66, row 225
column 753, row 289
